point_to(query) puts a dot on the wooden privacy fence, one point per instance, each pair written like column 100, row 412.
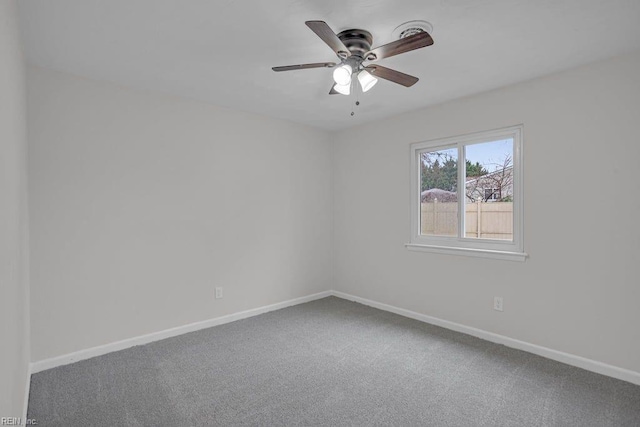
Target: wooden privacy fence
column 491, row 220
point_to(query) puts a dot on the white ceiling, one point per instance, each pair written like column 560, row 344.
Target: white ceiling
column 222, row 51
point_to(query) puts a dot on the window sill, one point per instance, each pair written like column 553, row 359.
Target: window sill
column 482, row 253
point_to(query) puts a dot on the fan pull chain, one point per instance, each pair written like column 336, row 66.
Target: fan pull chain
column 357, row 100
column 353, row 112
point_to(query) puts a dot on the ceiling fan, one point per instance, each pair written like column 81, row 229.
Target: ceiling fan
column 353, row 48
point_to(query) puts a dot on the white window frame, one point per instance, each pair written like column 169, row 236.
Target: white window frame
column 460, row 245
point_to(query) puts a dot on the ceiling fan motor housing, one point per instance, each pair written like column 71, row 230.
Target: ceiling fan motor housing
column 357, row 41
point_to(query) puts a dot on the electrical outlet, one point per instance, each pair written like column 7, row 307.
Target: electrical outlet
column 497, row 303
column 218, row 293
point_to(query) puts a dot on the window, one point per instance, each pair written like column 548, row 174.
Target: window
column 492, row 194
column 466, row 195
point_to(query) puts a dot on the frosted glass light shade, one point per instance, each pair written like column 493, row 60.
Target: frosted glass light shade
column 367, row 81
column 343, row 89
column 342, row 74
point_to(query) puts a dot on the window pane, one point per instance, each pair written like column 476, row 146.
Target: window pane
column 439, row 192
column 489, row 190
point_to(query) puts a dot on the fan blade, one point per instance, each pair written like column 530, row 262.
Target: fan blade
column 304, row 66
column 397, row 47
column 327, row 35
column 392, row 75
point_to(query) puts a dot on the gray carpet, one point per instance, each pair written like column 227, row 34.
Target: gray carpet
column 328, row 362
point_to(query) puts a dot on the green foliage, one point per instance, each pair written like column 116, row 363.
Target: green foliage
column 475, row 170
column 439, row 169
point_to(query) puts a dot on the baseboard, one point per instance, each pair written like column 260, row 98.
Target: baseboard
column 66, row 359
column 569, row 359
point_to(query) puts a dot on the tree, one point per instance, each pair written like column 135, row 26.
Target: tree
column 475, row 170
column 497, row 185
column 439, row 169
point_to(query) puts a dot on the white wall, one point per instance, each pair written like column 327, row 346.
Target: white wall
column 14, row 288
column 143, row 203
column 579, row 290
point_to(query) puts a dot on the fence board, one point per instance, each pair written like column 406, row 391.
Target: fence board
column 495, row 219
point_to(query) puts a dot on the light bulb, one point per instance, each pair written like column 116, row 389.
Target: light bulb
column 343, row 89
column 342, row 74
column 367, row 81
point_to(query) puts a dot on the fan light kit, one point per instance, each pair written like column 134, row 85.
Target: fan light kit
column 353, row 48
column 342, row 74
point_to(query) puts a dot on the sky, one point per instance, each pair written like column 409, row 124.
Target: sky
column 490, row 154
